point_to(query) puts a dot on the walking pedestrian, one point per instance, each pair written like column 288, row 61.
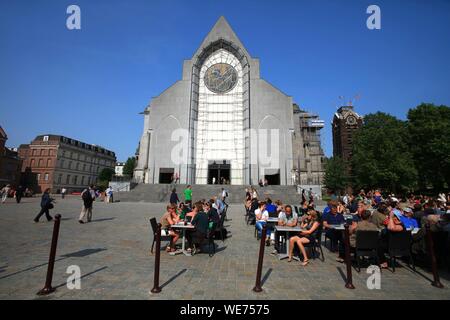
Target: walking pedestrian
column 174, row 197
column 46, row 205
column 63, row 192
column 19, row 194
column 88, row 196
column 5, row 192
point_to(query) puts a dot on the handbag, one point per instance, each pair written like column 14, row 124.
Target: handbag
column 50, row 206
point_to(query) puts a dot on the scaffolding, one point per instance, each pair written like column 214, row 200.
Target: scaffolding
column 221, row 120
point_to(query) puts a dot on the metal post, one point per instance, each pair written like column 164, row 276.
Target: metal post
column 51, row 260
column 257, row 287
column 436, row 281
column 348, row 262
column 156, row 287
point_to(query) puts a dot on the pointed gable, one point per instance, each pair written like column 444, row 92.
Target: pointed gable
column 221, row 30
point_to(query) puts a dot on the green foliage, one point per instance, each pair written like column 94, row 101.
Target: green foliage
column 336, row 178
column 106, row 174
column 129, row 166
column 381, row 155
column 429, row 139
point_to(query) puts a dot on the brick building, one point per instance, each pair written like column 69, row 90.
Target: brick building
column 345, row 123
column 53, row 161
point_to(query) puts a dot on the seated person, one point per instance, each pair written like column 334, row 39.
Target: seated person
column 311, row 226
column 407, row 219
column 286, row 218
column 262, row 215
column 363, row 225
column 183, row 210
column 379, row 216
column 169, row 218
column 200, row 221
column 393, row 224
column 213, row 215
column 254, row 206
column 191, row 214
column 270, row 207
column 333, row 218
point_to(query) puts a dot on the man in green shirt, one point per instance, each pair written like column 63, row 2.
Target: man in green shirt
column 188, row 194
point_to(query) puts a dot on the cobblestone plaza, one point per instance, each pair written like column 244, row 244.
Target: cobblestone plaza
column 113, row 253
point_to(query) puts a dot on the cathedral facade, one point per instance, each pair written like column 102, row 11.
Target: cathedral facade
column 221, row 123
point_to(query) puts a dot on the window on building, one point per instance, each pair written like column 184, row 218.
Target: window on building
column 40, row 163
column 45, row 138
column 84, row 167
column 42, row 152
column 49, row 162
column 32, row 163
column 68, row 179
column 82, row 180
column 38, row 177
column 77, row 166
column 60, row 178
column 70, row 165
column 75, row 180
column 62, row 163
column 34, row 152
column 46, row 177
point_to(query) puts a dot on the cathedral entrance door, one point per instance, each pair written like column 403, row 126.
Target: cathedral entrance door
column 219, row 173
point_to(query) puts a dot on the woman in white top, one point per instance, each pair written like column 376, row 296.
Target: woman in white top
column 262, row 215
column 254, row 194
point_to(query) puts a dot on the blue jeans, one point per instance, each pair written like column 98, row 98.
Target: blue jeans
column 259, row 227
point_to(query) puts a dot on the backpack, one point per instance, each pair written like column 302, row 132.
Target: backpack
column 226, row 194
column 86, row 195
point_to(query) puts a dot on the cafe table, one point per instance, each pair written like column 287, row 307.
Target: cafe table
column 183, row 227
column 287, row 230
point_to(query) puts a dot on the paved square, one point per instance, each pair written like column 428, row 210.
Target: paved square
column 113, row 253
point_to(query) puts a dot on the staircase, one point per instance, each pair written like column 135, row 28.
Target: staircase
column 160, row 193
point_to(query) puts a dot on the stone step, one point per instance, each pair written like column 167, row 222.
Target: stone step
column 158, row 193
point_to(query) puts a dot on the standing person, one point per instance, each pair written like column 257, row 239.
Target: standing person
column 88, row 196
column 5, row 192
column 311, row 195
column 107, row 192
column 224, row 195
column 19, row 194
column 174, row 197
column 303, row 196
column 177, row 177
column 46, row 205
column 111, row 194
column 214, row 180
column 63, row 192
column 188, row 194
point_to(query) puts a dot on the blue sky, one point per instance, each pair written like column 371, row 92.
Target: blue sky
column 91, row 84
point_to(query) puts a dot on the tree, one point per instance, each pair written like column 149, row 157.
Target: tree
column 129, row 166
column 106, row 174
column 381, row 157
column 336, row 178
column 429, row 137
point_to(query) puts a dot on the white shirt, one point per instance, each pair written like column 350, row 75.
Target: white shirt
column 264, row 215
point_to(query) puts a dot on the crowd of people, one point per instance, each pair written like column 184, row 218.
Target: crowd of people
column 369, row 211
column 204, row 215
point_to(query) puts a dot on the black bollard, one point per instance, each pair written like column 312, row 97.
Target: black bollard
column 156, row 287
column 436, row 282
column 51, row 260
column 257, row 287
column 348, row 262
